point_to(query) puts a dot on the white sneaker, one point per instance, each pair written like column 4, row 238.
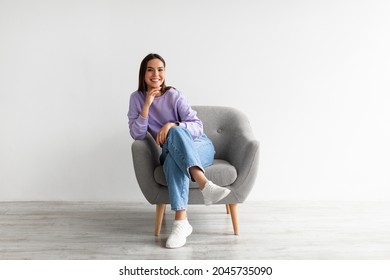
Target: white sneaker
column 213, row 193
column 180, row 231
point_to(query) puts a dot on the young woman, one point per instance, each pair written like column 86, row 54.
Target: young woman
column 186, row 150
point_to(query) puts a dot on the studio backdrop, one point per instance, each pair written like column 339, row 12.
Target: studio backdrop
column 312, row 77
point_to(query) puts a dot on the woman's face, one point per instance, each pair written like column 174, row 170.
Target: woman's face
column 155, row 74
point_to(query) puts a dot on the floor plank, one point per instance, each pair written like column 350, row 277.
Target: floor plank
column 268, row 230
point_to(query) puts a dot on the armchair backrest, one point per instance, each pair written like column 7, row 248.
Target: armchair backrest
column 224, row 126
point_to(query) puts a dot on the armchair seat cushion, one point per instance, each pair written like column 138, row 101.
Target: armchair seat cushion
column 221, row 172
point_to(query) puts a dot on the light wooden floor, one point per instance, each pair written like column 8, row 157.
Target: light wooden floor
column 268, row 230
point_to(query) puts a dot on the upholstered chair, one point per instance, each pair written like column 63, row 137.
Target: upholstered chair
column 235, row 165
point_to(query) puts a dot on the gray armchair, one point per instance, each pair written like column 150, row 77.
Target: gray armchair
column 235, row 165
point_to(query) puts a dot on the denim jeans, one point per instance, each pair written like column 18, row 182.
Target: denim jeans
column 179, row 153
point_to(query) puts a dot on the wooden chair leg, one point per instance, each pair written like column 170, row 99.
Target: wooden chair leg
column 234, row 216
column 227, row 209
column 160, row 211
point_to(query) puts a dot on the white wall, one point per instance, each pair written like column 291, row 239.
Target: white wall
column 312, row 76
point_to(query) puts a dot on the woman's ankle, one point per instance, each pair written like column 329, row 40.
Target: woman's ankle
column 181, row 215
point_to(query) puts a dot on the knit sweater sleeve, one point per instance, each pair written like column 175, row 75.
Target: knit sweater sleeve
column 138, row 125
column 188, row 118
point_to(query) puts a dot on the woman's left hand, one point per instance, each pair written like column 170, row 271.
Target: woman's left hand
column 163, row 133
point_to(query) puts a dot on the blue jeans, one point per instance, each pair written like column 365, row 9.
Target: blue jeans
column 179, row 153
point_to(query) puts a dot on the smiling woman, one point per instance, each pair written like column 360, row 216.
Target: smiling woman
column 152, row 73
column 186, row 150
column 155, row 75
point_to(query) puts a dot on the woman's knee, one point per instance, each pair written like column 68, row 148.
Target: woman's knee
column 178, row 131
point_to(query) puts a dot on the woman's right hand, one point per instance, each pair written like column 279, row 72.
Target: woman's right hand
column 150, row 95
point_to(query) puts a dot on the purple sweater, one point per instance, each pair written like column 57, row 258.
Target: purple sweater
column 170, row 107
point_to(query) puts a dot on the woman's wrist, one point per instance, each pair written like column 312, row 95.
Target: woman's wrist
column 145, row 111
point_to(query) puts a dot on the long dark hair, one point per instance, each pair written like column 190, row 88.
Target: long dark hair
column 142, row 71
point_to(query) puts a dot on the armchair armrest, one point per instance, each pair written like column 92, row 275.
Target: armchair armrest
column 145, row 159
column 243, row 153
